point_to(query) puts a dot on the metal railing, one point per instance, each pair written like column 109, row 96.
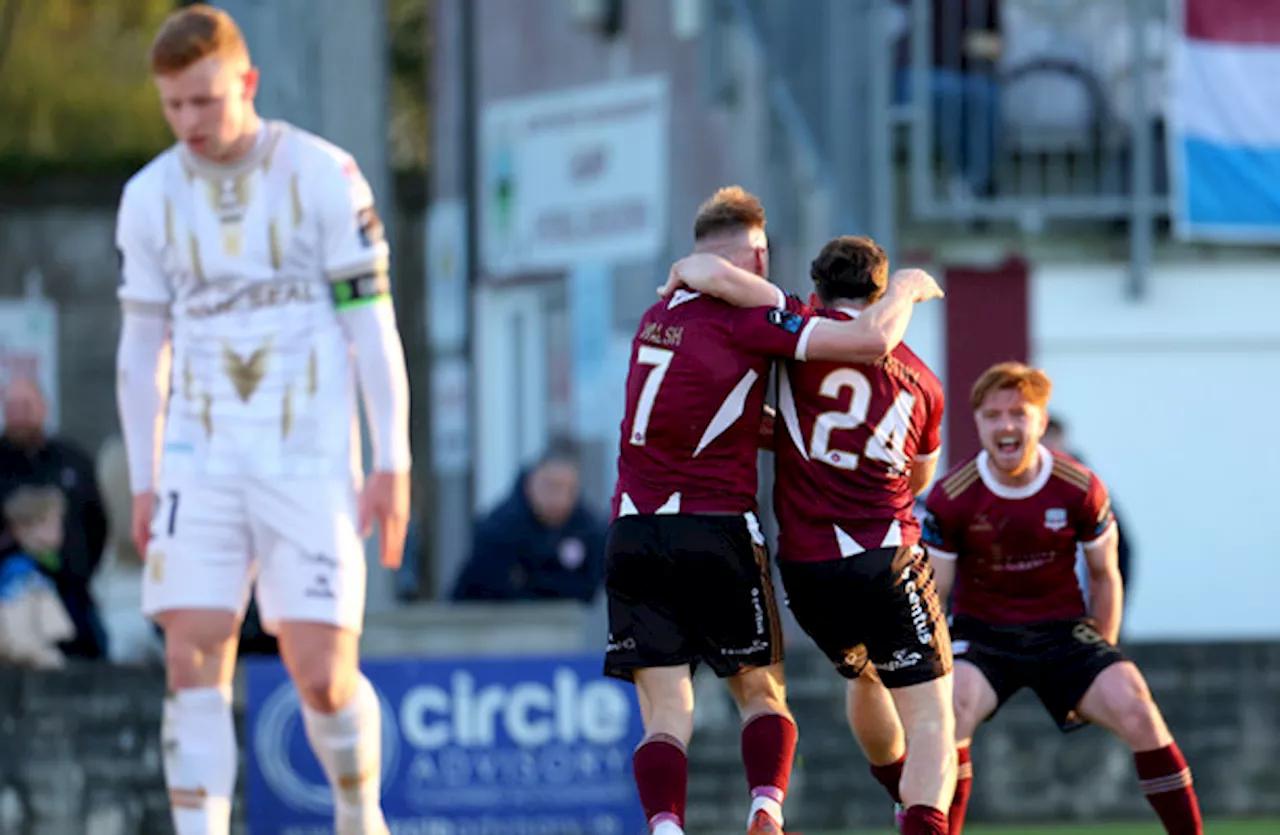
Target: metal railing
column 1047, row 110
column 1050, row 109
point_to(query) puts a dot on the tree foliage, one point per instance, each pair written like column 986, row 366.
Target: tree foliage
column 73, row 80
column 74, row 89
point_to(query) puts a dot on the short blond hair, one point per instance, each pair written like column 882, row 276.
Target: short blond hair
column 1032, row 383
column 730, row 209
column 193, row 34
column 31, row 505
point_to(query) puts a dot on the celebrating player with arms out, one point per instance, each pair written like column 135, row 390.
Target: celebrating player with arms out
column 252, row 250
column 859, row 442
column 1004, row 528
column 687, row 575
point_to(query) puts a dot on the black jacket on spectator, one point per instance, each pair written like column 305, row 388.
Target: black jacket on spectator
column 62, row 465
column 515, row 557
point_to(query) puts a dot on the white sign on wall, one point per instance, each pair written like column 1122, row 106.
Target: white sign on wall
column 447, row 276
column 575, row 175
column 29, row 348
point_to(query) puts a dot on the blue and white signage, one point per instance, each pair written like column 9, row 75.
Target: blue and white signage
column 522, row 746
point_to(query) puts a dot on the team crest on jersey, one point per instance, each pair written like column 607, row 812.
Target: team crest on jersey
column 785, row 319
column 1055, row 519
column 370, row 226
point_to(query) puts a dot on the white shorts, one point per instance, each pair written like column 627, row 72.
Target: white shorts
column 213, row 536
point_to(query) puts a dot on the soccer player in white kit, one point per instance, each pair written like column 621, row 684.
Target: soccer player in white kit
column 255, row 294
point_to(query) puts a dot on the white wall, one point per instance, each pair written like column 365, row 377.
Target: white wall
column 1173, row 400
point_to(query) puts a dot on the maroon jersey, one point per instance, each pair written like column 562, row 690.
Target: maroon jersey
column 695, row 399
column 849, row 436
column 1015, row 548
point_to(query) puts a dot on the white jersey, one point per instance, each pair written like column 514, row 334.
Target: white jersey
column 250, row 262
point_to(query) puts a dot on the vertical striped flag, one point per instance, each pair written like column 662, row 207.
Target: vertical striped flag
column 1224, row 121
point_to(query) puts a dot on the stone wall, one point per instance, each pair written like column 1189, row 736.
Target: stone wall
column 80, row 754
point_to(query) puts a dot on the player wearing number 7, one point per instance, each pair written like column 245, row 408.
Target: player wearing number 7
column 687, row 573
column 855, row 443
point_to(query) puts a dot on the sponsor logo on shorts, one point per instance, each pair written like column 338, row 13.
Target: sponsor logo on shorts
column 626, row 644
column 756, row 646
column 902, row 659
column 919, row 618
column 755, row 602
column 1055, row 518
column 1086, row 634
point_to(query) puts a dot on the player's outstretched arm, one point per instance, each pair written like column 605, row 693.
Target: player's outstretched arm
column 357, row 262
column 712, row 275
column 879, row 328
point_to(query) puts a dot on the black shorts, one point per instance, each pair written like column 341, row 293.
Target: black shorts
column 880, row 605
column 1057, row 659
column 685, row 589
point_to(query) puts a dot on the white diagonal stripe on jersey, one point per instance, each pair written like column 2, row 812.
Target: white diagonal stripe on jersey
column 787, row 406
column 671, row 506
column 730, row 410
column 893, row 537
column 848, row 546
column 626, row 507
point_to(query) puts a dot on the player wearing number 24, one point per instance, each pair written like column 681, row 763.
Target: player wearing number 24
column 855, row 443
column 687, row 573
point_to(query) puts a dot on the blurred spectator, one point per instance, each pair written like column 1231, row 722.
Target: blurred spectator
column 541, row 543
column 28, row 457
column 33, row 621
column 964, row 90
column 1056, row 439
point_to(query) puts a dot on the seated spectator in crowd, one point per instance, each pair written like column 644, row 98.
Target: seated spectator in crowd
column 541, row 543
column 29, row 457
column 33, row 621
column 1056, row 439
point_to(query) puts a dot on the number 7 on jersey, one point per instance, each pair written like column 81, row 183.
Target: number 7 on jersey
column 660, row 360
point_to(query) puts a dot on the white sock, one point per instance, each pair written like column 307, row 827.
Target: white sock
column 667, row 828
column 771, row 806
column 348, row 745
column 199, row 738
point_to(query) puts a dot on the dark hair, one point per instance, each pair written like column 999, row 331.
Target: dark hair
column 1055, row 425
column 850, row 267
column 560, row 451
column 730, row 209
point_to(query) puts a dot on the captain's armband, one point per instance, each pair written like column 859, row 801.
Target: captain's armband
column 360, row 290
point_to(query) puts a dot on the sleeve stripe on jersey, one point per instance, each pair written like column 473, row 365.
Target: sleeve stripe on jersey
column 1111, row 531
column 138, row 308
column 929, row 456
column 962, row 480
column 1071, row 474
column 936, row 554
column 802, row 347
column 780, row 298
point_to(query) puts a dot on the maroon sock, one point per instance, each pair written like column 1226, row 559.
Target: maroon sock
column 1166, row 781
column 662, row 776
column 924, row 820
column 890, row 776
column 768, row 748
column 964, row 784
